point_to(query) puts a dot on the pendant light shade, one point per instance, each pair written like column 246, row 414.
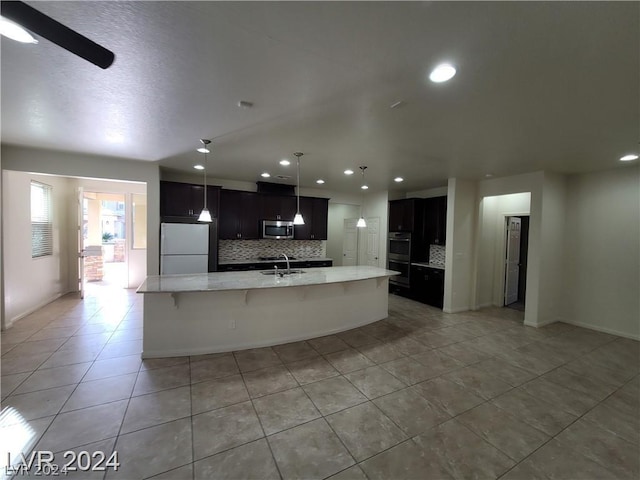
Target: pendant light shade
column 205, row 215
column 298, row 220
column 361, row 222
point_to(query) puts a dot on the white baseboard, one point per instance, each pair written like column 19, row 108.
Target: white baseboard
column 540, row 324
column 34, row 308
column 610, row 331
column 483, row 305
column 456, row 310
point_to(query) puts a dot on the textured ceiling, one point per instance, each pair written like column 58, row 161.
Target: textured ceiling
column 539, row 86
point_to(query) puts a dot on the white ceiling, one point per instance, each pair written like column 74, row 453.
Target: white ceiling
column 548, row 85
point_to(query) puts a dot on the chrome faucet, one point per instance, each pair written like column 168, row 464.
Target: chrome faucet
column 288, row 266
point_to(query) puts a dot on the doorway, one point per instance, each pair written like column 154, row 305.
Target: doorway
column 350, row 243
column 103, row 245
column 516, row 255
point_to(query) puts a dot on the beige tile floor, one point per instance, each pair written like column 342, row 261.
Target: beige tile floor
column 419, row 395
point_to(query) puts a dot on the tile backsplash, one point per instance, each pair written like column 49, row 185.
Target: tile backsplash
column 436, row 254
column 249, row 249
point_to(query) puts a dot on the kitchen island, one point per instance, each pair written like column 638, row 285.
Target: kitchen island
column 220, row 312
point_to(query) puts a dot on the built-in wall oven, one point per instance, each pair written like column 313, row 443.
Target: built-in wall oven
column 399, row 257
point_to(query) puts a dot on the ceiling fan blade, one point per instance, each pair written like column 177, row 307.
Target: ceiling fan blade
column 47, row 27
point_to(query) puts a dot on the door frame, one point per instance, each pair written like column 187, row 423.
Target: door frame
column 511, row 220
column 128, row 226
column 500, row 275
column 344, row 237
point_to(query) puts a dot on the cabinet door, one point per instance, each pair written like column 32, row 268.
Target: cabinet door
column 435, row 220
column 418, row 281
column 303, row 232
column 230, row 211
column 186, row 200
column 249, row 215
column 213, row 201
column 396, row 211
column 435, row 287
column 277, row 207
column 401, row 213
column 319, row 219
column 176, row 199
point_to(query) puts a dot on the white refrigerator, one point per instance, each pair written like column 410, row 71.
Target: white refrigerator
column 184, row 248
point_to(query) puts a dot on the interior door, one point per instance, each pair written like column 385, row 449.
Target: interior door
column 372, row 250
column 81, row 252
column 350, row 243
column 512, row 263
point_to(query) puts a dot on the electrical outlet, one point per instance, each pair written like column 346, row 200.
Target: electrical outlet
column 232, row 323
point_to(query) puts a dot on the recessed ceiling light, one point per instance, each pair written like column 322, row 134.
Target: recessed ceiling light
column 204, row 150
column 398, row 179
column 628, row 158
column 265, row 175
column 320, row 181
column 488, row 175
column 198, row 167
column 284, row 162
column 348, row 172
column 15, row 32
column 442, row 73
column 364, row 187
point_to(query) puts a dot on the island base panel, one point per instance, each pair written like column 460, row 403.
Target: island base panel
column 194, row 323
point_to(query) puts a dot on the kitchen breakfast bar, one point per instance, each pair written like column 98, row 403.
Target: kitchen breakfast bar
column 224, row 311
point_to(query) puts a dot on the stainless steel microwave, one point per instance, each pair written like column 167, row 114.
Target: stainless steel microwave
column 277, row 229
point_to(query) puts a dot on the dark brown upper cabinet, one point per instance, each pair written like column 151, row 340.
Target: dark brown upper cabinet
column 405, row 215
column 435, row 220
column 186, row 200
column 239, row 215
column 277, row 207
column 315, row 212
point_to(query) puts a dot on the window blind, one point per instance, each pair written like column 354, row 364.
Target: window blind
column 41, row 220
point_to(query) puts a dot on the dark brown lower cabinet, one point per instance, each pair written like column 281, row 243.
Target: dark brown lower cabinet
column 427, row 285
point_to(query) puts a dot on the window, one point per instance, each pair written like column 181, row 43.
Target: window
column 41, row 221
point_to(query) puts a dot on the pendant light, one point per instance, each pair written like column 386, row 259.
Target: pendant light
column 205, row 215
column 361, row 223
column 298, row 220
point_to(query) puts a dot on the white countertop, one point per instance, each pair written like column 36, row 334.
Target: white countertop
column 221, row 281
column 242, row 261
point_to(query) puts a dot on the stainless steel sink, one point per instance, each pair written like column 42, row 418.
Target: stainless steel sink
column 282, row 272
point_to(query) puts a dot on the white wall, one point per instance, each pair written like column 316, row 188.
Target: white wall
column 460, row 252
column 33, row 282
column 105, row 168
column 491, row 244
column 2, row 316
column 602, row 244
column 551, row 276
column 335, row 225
column 429, row 193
